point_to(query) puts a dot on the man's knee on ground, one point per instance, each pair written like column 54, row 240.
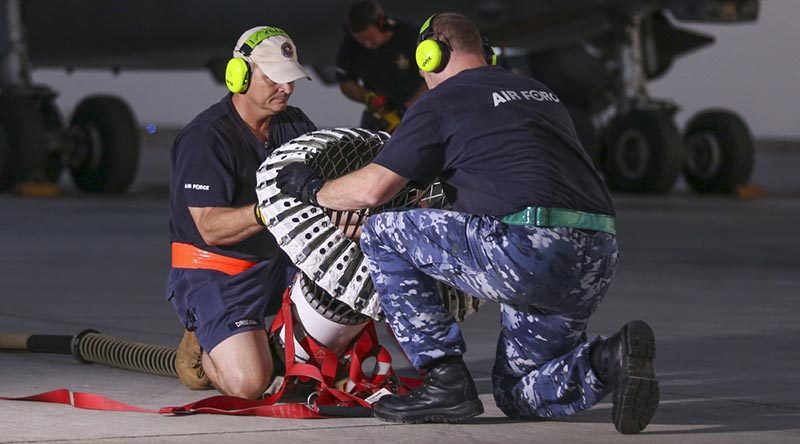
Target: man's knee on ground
column 248, row 387
column 242, row 365
column 506, row 404
column 241, row 380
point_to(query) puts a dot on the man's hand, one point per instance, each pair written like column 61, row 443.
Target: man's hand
column 300, row 181
column 375, row 103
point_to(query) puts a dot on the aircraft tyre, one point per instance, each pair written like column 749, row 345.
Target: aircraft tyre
column 644, row 152
column 108, row 153
column 26, row 138
column 54, row 125
column 719, row 152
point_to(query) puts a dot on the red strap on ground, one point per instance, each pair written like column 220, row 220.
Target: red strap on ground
column 80, row 400
column 324, row 373
column 229, row 405
column 224, row 405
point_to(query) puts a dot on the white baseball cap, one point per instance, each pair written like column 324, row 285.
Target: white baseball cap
column 273, row 51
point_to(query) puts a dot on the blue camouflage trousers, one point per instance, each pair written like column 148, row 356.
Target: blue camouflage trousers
column 548, row 282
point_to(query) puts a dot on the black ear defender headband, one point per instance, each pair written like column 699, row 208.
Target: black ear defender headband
column 433, row 54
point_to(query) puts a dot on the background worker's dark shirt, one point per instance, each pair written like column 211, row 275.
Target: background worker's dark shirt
column 214, row 163
column 390, row 70
column 500, row 142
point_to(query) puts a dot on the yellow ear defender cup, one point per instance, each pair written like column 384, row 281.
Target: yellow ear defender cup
column 237, row 75
column 237, row 71
column 432, row 55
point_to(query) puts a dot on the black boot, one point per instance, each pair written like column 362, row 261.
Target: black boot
column 625, row 361
column 448, row 394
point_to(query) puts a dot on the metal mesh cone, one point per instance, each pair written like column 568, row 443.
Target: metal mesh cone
column 317, row 241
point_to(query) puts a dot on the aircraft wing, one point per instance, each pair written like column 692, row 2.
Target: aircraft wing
column 597, row 55
column 189, row 34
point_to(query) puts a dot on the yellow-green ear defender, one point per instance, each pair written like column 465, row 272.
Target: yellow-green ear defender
column 432, row 55
column 237, row 71
column 237, row 75
column 488, row 51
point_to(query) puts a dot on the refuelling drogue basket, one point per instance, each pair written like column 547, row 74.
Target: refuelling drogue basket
column 312, row 237
column 333, row 304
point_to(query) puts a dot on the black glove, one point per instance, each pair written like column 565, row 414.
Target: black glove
column 300, row 181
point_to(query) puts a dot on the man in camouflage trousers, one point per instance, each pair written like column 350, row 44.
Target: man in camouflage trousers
column 548, row 282
column 532, row 228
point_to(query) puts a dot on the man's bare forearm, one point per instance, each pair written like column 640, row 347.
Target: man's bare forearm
column 367, row 187
column 225, row 226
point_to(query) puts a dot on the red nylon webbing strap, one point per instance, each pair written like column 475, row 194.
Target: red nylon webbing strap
column 80, row 400
column 230, row 405
column 226, row 405
column 325, row 376
column 324, row 372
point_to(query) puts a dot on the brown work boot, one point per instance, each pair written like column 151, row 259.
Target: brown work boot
column 189, row 363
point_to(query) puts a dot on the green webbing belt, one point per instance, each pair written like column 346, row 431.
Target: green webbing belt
column 560, row 217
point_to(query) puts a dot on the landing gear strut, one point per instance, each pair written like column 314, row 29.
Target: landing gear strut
column 644, row 151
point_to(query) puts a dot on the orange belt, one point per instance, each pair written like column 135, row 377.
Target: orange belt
column 189, row 256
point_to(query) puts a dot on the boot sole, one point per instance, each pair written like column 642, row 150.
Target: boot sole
column 457, row 413
column 636, row 399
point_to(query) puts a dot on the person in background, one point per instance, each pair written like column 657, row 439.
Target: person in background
column 375, row 65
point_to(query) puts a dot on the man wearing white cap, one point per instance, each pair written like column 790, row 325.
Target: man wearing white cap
column 227, row 270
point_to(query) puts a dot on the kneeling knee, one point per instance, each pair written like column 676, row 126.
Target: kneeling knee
column 513, row 408
column 247, row 389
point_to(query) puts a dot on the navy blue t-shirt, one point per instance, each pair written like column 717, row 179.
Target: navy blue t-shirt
column 390, row 70
column 214, row 163
column 499, row 142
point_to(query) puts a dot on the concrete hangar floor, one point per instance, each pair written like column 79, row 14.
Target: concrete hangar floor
column 716, row 277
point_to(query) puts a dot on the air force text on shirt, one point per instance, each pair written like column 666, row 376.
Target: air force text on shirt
column 196, row 186
column 540, row 96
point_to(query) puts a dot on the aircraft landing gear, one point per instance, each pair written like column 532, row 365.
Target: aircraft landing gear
column 643, row 149
column 632, row 137
column 101, row 146
column 28, row 141
column 719, row 152
column 105, row 145
column 644, row 152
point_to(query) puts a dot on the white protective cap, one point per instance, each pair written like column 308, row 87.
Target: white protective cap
column 273, row 51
